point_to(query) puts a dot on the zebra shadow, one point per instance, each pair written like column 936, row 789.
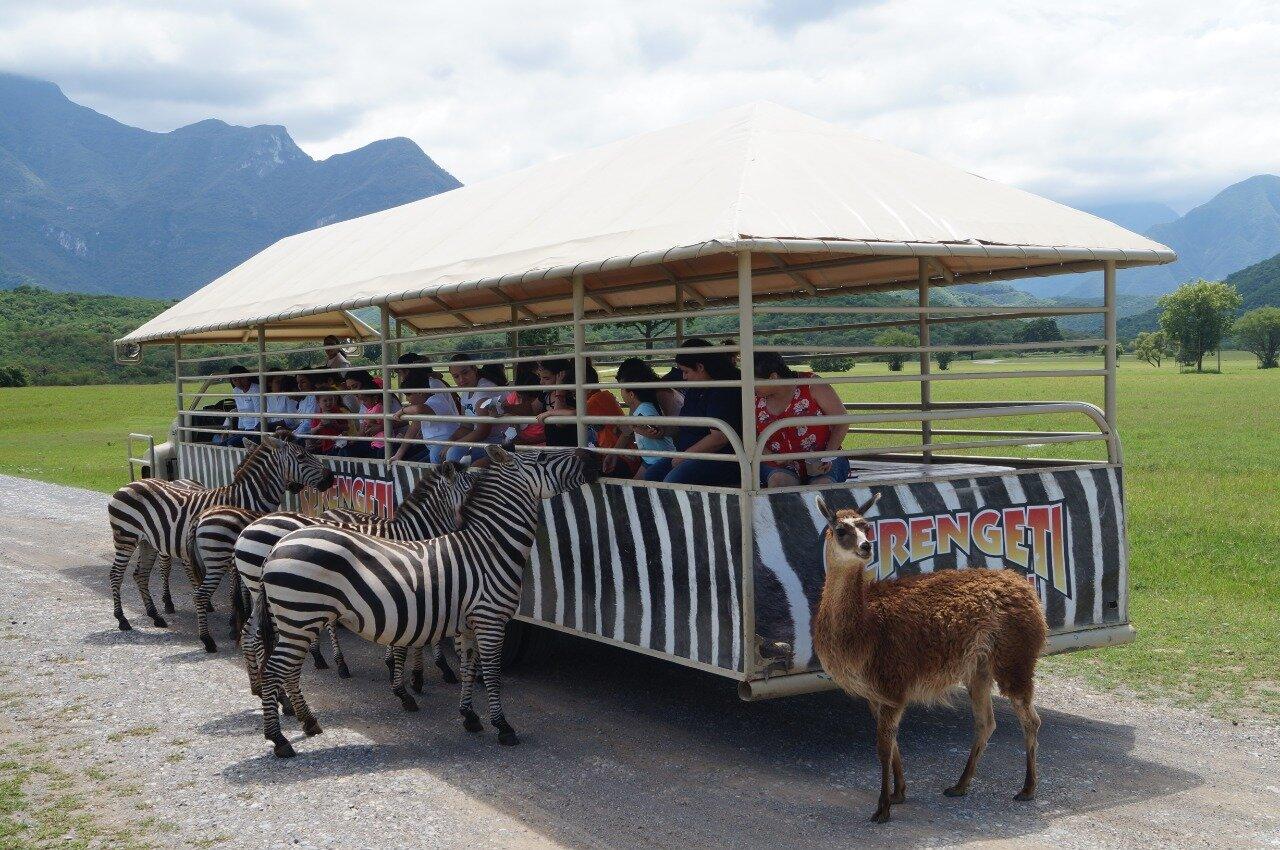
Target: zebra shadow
column 137, row 637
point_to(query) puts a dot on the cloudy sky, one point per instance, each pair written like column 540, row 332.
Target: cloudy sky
column 1087, row 102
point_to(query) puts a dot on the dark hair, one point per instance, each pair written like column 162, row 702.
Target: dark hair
column 719, row 366
column 288, row 384
column 361, row 377
column 771, row 363
column 410, row 357
column 593, row 377
column 526, row 375
column 330, row 340
column 634, row 371
column 418, row 379
column 461, row 357
column 495, row 372
column 237, row 370
column 559, row 364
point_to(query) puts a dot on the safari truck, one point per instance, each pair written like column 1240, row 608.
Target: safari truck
column 757, row 229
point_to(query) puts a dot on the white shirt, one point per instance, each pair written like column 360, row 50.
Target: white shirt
column 309, row 405
column 247, row 401
column 281, row 404
column 439, row 404
column 479, row 402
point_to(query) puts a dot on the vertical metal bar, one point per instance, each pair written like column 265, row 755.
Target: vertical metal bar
column 396, row 333
column 513, row 339
column 262, row 379
column 579, row 357
column 926, row 387
column 679, row 309
column 1109, row 301
column 750, row 468
column 384, row 328
column 177, row 377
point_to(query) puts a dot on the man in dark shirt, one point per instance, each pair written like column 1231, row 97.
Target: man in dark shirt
column 723, row 403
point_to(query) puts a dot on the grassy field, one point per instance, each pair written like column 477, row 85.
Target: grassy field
column 1201, row 456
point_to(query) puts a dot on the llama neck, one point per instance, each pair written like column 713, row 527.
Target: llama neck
column 841, row 612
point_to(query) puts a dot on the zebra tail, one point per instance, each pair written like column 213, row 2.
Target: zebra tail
column 191, row 552
column 239, row 610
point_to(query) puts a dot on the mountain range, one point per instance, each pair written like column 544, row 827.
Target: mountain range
column 89, row 204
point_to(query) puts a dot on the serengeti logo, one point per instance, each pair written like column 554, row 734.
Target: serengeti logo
column 352, row 493
column 1032, row 538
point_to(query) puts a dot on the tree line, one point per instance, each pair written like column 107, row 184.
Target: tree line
column 1199, row 317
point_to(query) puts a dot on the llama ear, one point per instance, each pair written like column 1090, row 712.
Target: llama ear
column 871, row 503
column 824, row 509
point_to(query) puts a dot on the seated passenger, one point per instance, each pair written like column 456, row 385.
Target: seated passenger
column 308, row 404
column 423, row 402
column 642, row 401
column 786, row 402
column 526, row 403
column 360, row 382
column 244, row 389
column 724, row 403
column 328, row 435
column 558, row 370
column 482, row 402
column 281, row 403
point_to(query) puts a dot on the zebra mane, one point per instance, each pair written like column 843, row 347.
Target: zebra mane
column 249, row 462
column 492, row 472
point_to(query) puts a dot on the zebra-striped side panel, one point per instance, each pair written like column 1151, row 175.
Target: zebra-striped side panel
column 1064, row 529
column 652, row 567
column 362, row 485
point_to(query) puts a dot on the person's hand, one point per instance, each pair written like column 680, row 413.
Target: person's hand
column 609, row 464
column 650, row 431
column 676, row 461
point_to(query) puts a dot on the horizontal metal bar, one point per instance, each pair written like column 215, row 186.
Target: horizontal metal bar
column 919, row 447
column 916, row 349
column 933, row 376
column 927, row 311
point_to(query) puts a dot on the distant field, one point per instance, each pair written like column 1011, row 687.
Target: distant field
column 1201, row 455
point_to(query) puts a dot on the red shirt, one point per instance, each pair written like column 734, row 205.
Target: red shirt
column 802, row 438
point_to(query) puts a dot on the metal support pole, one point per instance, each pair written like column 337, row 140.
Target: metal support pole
column 262, row 380
column 926, row 388
column 397, row 332
column 680, row 319
column 513, row 338
column 384, row 329
column 579, row 358
column 749, row 484
column 177, row 376
column 1109, row 301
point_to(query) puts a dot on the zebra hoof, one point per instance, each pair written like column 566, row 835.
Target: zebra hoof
column 471, row 722
column 446, row 673
column 312, row 727
column 321, row 664
column 508, row 738
column 415, row 682
column 160, row 622
column 123, row 625
column 209, row 645
column 343, row 671
column 408, row 703
column 168, row 606
column 283, row 749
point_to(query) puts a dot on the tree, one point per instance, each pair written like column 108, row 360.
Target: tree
column 898, row 339
column 827, row 363
column 944, row 359
column 649, row 329
column 975, row 336
column 1258, row 331
column 1152, row 347
column 1041, row 330
column 14, row 376
column 537, row 340
column 1197, row 316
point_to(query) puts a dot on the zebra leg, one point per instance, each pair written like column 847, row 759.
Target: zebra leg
column 399, row 654
column 142, row 578
column 467, row 654
column 318, row 657
column 166, row 568
column 125, row 548
column 415, row 680
column 212, row 578
column 490, row 636
column 281, row 673
column 390, row 661
column 442, row 663
column 339, row 660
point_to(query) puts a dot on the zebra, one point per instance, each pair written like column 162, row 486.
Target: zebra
column 152, row 516
column 431, row 509
column 406, row 594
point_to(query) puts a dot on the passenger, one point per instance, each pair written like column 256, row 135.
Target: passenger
column 561, row 402
column 308, row 404
column 723, row 403
column 482, row 402
column 359, row 381
column 244, row 389
column 815, row 398
column 423, row 402
column 642, row 401
column 601, row 402
column 633, row 370
column 334, row 358
column 526, row 403
column 329, row 435
column 281, row 403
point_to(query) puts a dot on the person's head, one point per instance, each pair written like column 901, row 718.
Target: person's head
column 305, row 382
column 557, row 370
column 463, row 371
column 408, row 359
column 704, row 365
column 282, row 384
column 770, row 366
column 360, row 379
column 240, row 378
column 495, row 373
column 331, row 345
column 635, row 371
column 526, row 374
column 332, row 404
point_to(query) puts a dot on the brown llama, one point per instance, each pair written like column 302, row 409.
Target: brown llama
column 912, row 639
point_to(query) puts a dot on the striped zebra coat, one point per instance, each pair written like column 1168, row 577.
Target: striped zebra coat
column 153, row 517
column 431, row 509
column 465, row 584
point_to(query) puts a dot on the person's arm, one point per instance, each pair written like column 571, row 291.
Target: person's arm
column 413, row 432
column 832, row 405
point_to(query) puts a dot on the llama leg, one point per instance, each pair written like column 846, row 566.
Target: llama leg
column 887, row 720
column 399, row 655
column 142, row 578
column 467, row 654
column 442, row 664
column 415, row 679
column 489, row 637
column 899, row 777
column 339, row 660
column 984, row 723
column 1030, row 720
column 125, row 548
column 166, row 570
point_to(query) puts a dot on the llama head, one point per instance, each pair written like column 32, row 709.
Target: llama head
column 847, row 535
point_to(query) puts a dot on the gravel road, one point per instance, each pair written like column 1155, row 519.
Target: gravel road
column 618, row 750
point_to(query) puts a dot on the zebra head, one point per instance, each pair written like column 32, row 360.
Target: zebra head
column 549, row 473
column 298, row 468
column 436, row 500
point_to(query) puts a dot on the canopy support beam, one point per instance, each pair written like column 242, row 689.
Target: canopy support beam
column 926, row 387
column 749, row 469
column 579, row 360
column 1109, row 301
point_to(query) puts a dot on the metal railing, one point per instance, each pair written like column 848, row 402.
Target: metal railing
column 144, row 462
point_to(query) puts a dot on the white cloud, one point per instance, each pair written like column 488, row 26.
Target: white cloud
column 1082, row 100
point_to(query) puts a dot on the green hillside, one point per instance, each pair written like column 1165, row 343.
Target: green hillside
column 1259, row 286
column 65, row 337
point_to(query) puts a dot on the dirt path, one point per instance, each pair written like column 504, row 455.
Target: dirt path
column 619, row 750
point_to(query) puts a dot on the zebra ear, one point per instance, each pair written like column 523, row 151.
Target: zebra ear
column 447, row 470
column 271, row 442
column 250, row 443
column 499, row 455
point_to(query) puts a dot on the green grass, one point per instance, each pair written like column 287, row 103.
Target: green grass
column 1202, row 489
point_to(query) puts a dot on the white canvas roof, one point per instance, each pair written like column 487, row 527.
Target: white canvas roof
column 800, row 191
